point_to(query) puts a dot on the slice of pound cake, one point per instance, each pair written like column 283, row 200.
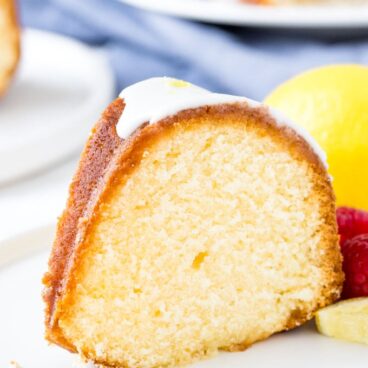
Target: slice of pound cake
column 196, row 222
column 9, row 43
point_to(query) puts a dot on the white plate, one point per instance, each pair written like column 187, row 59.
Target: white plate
column 236, row 13
column 22, row 263
column 59, row 91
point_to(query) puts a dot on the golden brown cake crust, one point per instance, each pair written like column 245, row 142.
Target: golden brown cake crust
column 93, row 164
column 10, row 37
column 106, row 154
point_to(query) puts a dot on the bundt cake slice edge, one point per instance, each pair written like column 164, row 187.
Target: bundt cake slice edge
column 95, row 159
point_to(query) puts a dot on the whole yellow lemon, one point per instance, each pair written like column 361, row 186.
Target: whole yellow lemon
column 332, row 104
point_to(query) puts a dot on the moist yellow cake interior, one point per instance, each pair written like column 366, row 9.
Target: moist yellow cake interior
column 213, row 243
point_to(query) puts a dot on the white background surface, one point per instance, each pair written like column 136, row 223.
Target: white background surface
column 236, row 13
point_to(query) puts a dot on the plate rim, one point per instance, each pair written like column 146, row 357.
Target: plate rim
column 233, row 13
column 34, row 149
column 13, row 249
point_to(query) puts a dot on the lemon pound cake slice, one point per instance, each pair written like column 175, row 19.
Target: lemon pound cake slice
column 196, row 222
column 9, row 43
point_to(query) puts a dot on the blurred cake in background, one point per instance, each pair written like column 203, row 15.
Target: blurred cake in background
column 9, row 43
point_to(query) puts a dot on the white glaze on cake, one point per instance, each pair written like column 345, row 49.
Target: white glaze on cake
column 156, row 98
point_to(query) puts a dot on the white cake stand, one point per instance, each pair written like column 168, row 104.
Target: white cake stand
column 59, row 91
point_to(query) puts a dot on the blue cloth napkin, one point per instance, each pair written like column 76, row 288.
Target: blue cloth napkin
column 140, row 44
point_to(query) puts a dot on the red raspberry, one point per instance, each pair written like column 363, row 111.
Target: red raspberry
column 351, row 222
column 355, row 265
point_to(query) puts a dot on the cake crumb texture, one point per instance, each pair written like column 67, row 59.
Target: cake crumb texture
column 213, row 229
